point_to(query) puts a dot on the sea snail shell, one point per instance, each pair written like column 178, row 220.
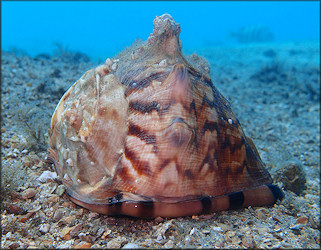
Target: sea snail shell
column 147, row 134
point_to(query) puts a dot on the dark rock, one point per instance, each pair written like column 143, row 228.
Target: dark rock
column 42, row 56
column 14, row 245
column 56, row 73
column 292, row 175
column 270, row 53
column 41, row 88
column 293, row 52
column 13, row 208
column 80, row 57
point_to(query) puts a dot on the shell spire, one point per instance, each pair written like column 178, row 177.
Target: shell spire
column 165, row 36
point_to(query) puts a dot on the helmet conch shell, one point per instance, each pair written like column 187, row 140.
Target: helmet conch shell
column 148, row 134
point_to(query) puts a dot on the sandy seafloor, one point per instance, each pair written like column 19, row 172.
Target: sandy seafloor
column 274, row 90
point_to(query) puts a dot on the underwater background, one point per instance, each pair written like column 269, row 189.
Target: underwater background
column 101, row 29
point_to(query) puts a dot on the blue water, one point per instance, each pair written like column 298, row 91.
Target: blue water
column 101, row 29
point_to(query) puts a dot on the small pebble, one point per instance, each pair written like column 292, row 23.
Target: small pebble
column 60, row 190
column 47, row 175
column 159, row 238
column 34, row 209
column 206, row 231
column 159, row 219
column 26, row 217
column 65, row 245
column 75, row 230
column 14, row 245
column 169, row 244
column 86, row 237
column 260, row 214
column 106, row 234
column 83, row 245
column 8, row 235
column 65, row 233
column 302, row 220
column 297, row 227
column 12, row 154
column 219, row 243
column 69, row 219
column 192, row 231
column 313, row 223
column 93, row 215
column 59, row 213
column 131, row 246
column 116, row 243
column 52, row 187
column 44, row 228
column 218, row 229
column 248, row 242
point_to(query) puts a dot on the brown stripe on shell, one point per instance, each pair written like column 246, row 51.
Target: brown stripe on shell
column 227, row 152
column 206, row 204
column 144, row 107
column 134, row 84
column 199, row 77
column 219, row 103
column 232, row 146
column 276, row 191
column 141, row 134
column 193, row 108
column 163, row 164
column 236, row 200
column 189, row 174
column 211, row 126
column 141, row 167
column 123, row 173
column 126, row 78
column 205, row 160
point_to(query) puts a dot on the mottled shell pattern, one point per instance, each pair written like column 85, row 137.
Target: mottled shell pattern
column 147, row 134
